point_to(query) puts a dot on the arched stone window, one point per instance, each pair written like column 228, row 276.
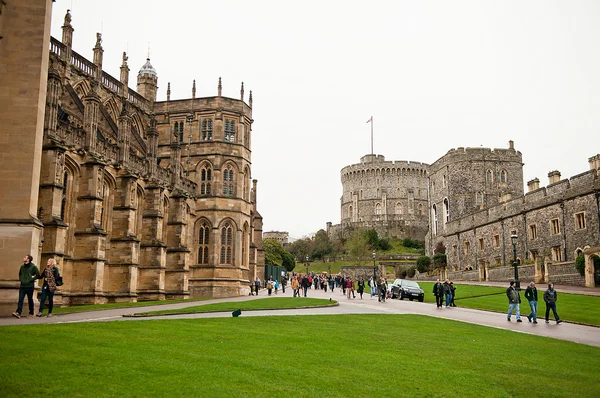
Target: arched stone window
column 378, row 209
column 446, row 210
column 503, row 176
column 479, row 198
column 489, row 176
column 203, row 243
column 228, row 181
column 420, row 209
column 205, row 179
column 398, row 208
column 226, row 244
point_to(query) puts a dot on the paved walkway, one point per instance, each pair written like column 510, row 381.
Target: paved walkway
column 565, row 331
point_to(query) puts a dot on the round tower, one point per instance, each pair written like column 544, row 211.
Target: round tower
column 147, row 81
column 389, row 196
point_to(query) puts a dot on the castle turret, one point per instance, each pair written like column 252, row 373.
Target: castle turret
column 147, row 81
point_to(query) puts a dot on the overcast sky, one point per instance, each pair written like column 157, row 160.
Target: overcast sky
column 435, row 75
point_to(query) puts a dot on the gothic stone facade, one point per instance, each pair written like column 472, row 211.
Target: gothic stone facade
column 139, row 199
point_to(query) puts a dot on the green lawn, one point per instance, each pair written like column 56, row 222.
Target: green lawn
column 571, row 307
column 250, row 305
column 110, row 306
column 283, row 356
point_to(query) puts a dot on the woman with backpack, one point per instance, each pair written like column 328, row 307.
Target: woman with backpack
column 52, row 279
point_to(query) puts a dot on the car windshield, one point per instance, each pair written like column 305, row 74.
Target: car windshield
column 410, row 284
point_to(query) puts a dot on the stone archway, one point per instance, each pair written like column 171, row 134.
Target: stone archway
column 592, row 266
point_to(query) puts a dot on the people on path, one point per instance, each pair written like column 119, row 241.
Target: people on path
column 532, row 297
column 28, row 273
column 550, row 298
column 438, row 292
column 50, row 275
column 350, row 287
column 256, row 285
column 447, row 292
column 453, row 290
column 514, row 300
column 276, row 285
column 361, row 286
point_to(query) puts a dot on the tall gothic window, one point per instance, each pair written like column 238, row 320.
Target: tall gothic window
column 207, row 129
column 65, row 201
column 178, row 131
column 226, row 243
column 435, row 219
column 205, row 180
column 229, row 130
column 203, row 240
column 503, row 176
column 228, row 181
column 489, row 176
column 446, row 210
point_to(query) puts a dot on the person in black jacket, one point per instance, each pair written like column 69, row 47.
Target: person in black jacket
column 514, row 301
column 438, row 292
column 532, row 296
column 50, row 275
column 453, row 289
column 550, row 298
column 28, row 273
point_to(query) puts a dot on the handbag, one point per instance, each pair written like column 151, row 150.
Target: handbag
column 59, row 281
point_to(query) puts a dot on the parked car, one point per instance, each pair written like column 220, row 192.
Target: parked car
column 403, row 288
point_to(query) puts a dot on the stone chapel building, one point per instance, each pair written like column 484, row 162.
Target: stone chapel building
column 138, row 199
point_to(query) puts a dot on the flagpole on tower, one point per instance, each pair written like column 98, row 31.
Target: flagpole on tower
column 371, row 121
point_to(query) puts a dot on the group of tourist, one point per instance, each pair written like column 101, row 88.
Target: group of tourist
column 531, row 294
column 28, row 274
column 447, row 290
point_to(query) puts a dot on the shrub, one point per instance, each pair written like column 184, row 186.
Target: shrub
column 403, row 274
column 411, row 272
column 580, row 264
column 384, row 244
column 439, row 260
column 423, row 264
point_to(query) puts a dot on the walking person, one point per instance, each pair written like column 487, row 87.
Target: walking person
column 256, row 285
column 51, row 281
column 305, row 284
column 28, row 273
column 514, row 300
column 453, row 290
column 283, row 284
column 550, row 298
column 372, row 286
column 349, row 287
column 296, row 286
column 532, row 296
column 382, row 289
column 270, row 285
column 361, row 286
column 447, row 292
column 438, row 292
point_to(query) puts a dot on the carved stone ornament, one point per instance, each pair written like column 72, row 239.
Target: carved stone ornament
column 60, row 163
column 99, row 185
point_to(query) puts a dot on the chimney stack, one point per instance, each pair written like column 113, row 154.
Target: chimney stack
column 594, row 162
column 511, row 144
column 553, row 177
column 533, row 185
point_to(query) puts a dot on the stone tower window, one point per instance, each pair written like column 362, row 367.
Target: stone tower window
column 435, row 219
column 229, row 130
column 503, row 176
column 580, row 221
column 555, row 226
column 420, row 209
column 207, row 129
column 489, row 176
column 205, row 180
column 378, row 209
column 532, row 232
column 203, row 241
column 479, row 198
column 228, row 182
column 446, row 210
column 226, row 243
column 445, row 182
column 398, row 208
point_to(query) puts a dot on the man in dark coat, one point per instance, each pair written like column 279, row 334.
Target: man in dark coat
column 438, row 292
column 514, row 301
column 532, row 296
column 28, row 273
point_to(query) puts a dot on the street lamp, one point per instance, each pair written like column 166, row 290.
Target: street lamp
column 307, row 264
column 513, row 239
column 374, row 268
